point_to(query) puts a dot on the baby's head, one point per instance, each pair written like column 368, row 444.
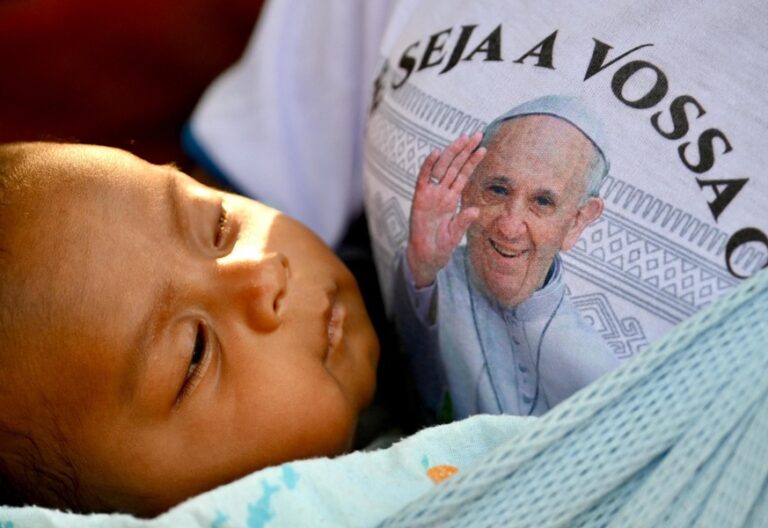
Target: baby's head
column 159, row 338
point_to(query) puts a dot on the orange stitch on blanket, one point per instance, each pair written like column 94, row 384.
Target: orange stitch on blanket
column 442, row 472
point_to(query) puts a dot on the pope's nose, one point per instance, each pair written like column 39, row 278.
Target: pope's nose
column 511, row 223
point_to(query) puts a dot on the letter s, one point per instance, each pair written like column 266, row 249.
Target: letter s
column 679, row 118
column 706, row 150
column 407, row 63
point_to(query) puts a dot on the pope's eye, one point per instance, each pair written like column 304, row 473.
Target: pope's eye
column 544, row 201
column 222, row 227
column 499, row 190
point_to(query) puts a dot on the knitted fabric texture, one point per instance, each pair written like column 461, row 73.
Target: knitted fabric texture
column 678, row 437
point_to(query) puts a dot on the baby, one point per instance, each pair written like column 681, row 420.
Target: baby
column 159, row 337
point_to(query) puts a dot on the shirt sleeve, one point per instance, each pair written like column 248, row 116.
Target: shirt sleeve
column 417, row 326
column 422, row 299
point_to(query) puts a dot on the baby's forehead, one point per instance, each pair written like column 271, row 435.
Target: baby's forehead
column 59, row 183
column 80, row 167
column 66, row 263
column 70, row 216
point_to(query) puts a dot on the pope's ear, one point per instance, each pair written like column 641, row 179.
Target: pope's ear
column 587, row 213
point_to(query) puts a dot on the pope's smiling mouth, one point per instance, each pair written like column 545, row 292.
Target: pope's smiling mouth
column 504, row 252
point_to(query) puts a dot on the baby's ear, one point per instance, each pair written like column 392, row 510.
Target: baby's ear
column 587, row 213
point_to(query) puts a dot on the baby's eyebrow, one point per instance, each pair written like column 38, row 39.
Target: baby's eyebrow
column 172, row 199
column 160, row 308
column 154, row 321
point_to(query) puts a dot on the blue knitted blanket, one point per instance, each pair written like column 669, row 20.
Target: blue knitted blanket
column 676, row 437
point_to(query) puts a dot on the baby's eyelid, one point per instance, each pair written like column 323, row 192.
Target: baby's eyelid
column 226, row 230
column 199, row 360
column 222, row 225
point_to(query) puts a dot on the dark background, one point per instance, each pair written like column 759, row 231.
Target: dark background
column 124, row 74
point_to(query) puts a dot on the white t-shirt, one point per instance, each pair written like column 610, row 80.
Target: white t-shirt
column 285, row 123
column 678, row 85
column 680, row 90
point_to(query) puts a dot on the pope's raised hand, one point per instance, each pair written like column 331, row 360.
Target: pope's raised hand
column 436, row 225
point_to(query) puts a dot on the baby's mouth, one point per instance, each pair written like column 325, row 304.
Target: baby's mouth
column 507, row 252
column 335, row 326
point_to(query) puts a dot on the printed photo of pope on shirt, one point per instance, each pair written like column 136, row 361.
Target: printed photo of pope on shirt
column 488, row 327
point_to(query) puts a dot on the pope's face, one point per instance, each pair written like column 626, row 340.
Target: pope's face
column 528, row 189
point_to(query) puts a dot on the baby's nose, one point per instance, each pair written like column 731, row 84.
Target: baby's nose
column 260, row 284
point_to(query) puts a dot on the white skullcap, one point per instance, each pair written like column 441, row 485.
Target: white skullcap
column 567, row 108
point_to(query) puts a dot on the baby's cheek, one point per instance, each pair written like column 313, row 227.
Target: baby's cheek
column 329, row 430
column 357, row 371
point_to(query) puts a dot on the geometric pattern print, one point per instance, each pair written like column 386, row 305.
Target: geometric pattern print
column 441, row 116
column 624, row 336
column 651, row 210
column 396, row 155
column 647, row 268
column 392, row 223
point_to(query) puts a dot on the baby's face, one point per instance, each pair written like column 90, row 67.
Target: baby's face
column 197, row 335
